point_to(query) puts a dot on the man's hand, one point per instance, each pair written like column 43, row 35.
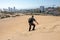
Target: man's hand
column 37, row 23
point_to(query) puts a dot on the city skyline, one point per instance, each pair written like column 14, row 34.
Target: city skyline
column 27, row 4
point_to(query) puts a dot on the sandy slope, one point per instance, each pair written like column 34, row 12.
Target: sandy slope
column 16, row 28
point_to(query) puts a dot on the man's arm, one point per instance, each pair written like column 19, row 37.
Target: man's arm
column 36, row 21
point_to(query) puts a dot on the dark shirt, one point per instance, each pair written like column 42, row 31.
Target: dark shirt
column 31, row 20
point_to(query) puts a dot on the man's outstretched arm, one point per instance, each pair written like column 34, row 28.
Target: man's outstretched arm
column 36, row 22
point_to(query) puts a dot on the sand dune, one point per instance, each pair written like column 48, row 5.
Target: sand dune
column 17, row 28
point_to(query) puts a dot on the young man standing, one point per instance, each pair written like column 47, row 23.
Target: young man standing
column 31, row 23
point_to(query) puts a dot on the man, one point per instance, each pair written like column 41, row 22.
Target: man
column 31, row 23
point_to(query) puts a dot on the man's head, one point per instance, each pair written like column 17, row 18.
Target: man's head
column 32, row 16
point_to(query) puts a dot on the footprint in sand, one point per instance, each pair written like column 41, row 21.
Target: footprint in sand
column 44, row 27
column 27, row 33
column 9, row 39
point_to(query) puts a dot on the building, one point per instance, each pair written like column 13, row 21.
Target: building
column 42, row 9
column 9, row 9
column 0, row 10
column 14, row 9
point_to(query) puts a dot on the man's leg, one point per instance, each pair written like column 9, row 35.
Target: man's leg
column 29, row 27
column 33, row 27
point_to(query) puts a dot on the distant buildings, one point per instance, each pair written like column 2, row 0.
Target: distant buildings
column 42, row 8
column 11, row 9
column 4, row 9
column 53, row 11
column 36, row 10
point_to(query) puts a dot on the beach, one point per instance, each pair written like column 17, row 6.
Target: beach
column 16, row 28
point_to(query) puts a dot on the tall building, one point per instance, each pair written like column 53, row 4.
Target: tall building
column 14, row 9
column 0, row 10
column 9, row 9
column 42, row 9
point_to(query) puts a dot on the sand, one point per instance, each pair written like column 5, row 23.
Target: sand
column 16, row 28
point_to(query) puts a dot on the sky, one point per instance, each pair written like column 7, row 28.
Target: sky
column 27, row 4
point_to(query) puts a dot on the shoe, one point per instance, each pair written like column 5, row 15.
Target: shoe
column 33, row 29
column 29, row 30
